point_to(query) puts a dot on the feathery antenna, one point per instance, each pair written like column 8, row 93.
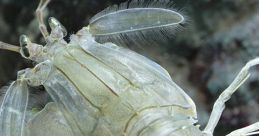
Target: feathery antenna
column 137, row 23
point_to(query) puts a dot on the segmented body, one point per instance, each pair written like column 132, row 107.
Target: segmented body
column 104, row 89
column 101, row 89
column 117, row 91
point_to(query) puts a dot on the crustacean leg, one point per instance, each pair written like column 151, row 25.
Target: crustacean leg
column 219, row 105
column 246, row 131
column 40, row 17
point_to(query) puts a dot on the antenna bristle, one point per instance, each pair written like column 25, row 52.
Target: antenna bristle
column 138, row 22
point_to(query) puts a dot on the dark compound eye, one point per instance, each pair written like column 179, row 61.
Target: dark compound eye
column 53, row 23
column 24, row 41
column 25, row 52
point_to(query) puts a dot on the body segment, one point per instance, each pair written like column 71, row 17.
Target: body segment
column 116, row 96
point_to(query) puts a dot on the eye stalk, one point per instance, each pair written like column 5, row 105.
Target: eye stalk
column 58, row 31
column 24, row 42
column 27, row 49
column 31, row 50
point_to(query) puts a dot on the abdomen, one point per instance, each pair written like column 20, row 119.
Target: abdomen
column 125, row 107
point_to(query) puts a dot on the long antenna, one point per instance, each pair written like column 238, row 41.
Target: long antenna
column 6, row 46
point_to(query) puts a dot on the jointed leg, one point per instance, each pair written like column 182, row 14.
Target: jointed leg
column 40, row 17
column 226, row 95
column 246, row 131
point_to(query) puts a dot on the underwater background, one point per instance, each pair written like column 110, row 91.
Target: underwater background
column 203, row 58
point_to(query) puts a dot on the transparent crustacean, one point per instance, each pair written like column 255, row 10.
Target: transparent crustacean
column 104, row 89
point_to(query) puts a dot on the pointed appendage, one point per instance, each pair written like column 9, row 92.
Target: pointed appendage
column 7, row 46
column 246, row 131
column 219, row 105
column 40, row 17
column 13, row 108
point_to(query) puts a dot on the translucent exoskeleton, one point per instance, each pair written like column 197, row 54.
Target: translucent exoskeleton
column 102, row 89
